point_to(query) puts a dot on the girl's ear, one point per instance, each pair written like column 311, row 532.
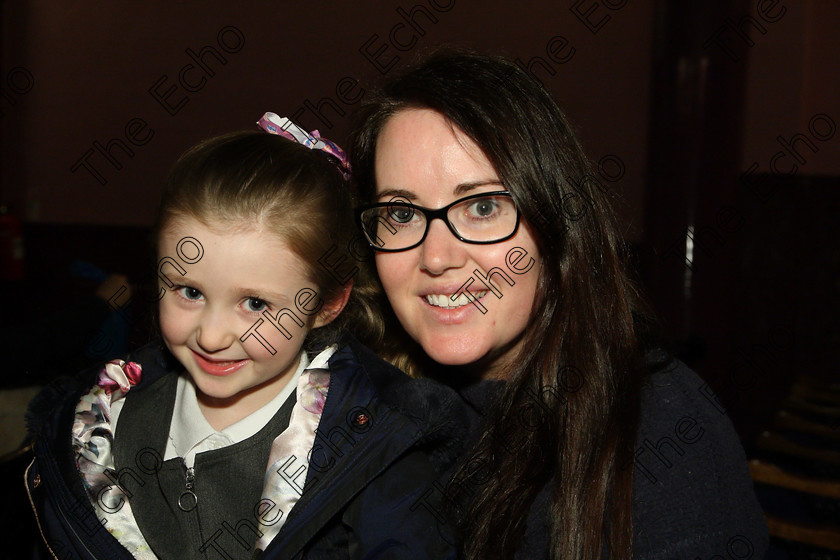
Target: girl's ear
column 332, row 308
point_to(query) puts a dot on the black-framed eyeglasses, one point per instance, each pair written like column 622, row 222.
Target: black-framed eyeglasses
column 399, row 225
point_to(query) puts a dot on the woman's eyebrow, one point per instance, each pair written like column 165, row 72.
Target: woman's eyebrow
column 459, row 189
column 396, row 193
column 467, row 187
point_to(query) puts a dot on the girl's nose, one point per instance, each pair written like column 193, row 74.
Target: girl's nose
column 214, row 332
column 441, row 250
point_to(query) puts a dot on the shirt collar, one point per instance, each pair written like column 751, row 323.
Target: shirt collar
column 189, row 428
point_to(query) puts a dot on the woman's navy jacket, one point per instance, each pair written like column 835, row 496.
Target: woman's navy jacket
column 376, row 493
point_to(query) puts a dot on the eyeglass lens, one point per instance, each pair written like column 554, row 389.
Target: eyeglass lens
column 400, row 225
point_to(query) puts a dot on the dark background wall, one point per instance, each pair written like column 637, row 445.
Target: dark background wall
column 679, row 99
column 93, row 67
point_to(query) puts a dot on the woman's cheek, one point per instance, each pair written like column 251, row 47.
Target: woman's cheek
column 394, row 270
column 384, row 268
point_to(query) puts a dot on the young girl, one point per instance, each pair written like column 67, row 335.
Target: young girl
column 255, row 425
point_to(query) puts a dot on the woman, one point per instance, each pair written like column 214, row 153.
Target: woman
column 593, row 444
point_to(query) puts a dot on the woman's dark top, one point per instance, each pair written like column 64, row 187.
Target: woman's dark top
column 692, row 493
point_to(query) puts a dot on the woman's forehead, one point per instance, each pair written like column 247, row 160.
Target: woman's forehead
column 419, row 151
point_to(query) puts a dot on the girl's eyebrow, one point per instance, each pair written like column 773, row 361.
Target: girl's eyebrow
column 267, row 295
column 459, row 189
column 175, row 278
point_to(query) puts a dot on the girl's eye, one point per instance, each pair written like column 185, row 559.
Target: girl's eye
column 190, row 294
column 255, row 304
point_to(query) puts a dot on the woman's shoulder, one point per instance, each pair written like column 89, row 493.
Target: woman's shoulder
column 673, row 393
column 692, row 489
column 678, row 407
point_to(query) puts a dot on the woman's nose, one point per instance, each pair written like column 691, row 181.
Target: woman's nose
column 441, row 250
column 214, row 331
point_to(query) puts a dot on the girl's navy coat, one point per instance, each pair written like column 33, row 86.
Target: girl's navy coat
column 373, row 497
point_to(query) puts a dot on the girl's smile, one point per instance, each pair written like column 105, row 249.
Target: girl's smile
column 218, row 367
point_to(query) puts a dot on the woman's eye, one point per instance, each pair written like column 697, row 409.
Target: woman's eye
column 190, row 294
column 401, row 215
column 255, row 304
column 483, row 208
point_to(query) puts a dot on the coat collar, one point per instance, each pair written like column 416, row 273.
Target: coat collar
column 373, row 415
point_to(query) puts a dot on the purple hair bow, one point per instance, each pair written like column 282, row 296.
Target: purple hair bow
column 274, row 124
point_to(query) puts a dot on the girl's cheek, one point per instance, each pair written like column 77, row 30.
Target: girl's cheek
column 172, row 322
column 263, row 340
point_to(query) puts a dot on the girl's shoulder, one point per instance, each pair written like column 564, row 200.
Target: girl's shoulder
column 692, row 489
column 421, row 398
column 62, row 394
column 434, row 409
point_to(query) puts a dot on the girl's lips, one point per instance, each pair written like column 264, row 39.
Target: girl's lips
column 218, row 367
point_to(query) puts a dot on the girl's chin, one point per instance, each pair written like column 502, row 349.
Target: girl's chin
column 215, row 392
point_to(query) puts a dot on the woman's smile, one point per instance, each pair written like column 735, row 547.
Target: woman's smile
column 439, row 289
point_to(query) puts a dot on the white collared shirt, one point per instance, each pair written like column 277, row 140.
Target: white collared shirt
column 190, row 433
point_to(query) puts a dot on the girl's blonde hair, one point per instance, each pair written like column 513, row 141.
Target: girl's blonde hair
column 256, row 179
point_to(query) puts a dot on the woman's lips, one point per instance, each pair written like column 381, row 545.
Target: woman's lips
column 445, row 311
column 447, row 302
column 218, row 367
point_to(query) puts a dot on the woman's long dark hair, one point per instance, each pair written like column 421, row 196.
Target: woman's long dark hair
column 582, row 358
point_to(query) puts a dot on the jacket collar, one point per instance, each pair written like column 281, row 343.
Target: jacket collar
column 373, row 415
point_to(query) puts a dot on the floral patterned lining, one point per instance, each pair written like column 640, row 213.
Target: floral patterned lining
column 93, row 439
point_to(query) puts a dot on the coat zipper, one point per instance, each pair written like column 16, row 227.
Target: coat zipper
column 60, row 511
column 35, row 511
column 75, row 534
